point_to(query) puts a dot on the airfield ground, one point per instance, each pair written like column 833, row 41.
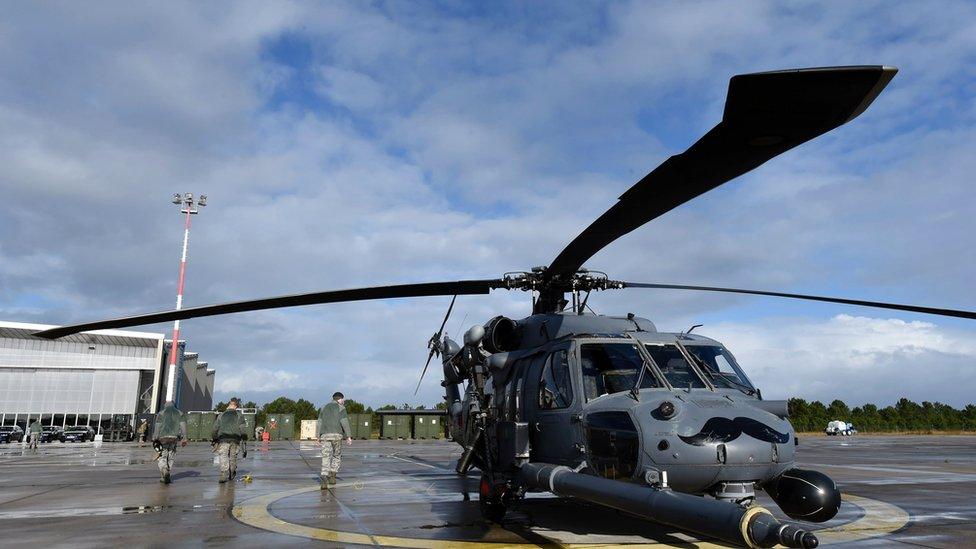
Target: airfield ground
column 900, row 491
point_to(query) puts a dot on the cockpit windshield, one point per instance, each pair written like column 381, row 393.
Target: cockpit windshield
column 675, row 367
column 721, row 367
column 611, row 368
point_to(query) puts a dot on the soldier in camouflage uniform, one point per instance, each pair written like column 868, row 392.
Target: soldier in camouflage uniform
column 170, row 430
column 34, row 434
column 333, row 426
column 229, row 430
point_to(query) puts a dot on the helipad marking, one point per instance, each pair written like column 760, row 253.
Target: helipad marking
column 879, row 519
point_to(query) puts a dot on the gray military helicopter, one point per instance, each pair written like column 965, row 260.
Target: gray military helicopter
column 607, row 409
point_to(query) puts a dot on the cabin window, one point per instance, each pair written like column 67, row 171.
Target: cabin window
column 555, row 385
column 611, row 368
column 675, row 368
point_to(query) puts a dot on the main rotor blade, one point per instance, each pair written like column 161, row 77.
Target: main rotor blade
column 877, row 304
column 434, row 343
column 765, row 115
column 460, row 287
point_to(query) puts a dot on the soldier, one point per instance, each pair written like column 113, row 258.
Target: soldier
column 170, row 430
column 34, row 434
column 333, row 424
column 229, row 430
column 143, row 427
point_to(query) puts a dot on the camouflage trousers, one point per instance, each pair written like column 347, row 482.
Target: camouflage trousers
column 331, row 453
column 32, row 440
column 227, row 457
column 167, row 456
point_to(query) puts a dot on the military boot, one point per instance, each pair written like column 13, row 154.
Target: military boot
column 332, row 479
column 324, row 482
column 223, row 478
column 166, row 479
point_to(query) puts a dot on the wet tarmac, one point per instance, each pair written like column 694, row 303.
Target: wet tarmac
column 899, row 491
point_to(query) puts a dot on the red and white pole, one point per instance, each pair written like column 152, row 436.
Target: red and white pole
column 171, row 373
column 189, row 209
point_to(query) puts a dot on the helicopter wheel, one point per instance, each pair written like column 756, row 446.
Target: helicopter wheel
column 491, row 500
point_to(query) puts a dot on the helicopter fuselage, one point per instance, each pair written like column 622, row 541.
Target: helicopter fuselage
column 615, row 398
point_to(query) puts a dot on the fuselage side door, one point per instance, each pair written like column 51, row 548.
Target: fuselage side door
column 553, row 402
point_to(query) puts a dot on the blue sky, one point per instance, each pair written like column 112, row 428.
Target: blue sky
column 348, row 144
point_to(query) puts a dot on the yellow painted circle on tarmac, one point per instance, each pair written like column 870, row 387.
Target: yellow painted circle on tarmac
column 879, row 519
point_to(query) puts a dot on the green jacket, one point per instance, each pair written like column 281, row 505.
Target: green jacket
column 229, row 427
column 334, row 420
column 35, row 427
column 170, row 423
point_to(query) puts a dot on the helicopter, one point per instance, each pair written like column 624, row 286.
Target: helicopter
column 663, row 426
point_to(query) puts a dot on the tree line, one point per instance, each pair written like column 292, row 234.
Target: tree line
column 305, row 409
column 904, row 415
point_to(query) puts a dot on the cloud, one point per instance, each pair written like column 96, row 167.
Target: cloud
column 855, row 358
column 232, row 380
column 345, row 145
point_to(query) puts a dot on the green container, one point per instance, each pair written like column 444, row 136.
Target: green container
column 361, row 425
column 428, row 426
column 281, row 426
column 395, row 426
column 249, row 419
column 192, row 425
column 205, row 428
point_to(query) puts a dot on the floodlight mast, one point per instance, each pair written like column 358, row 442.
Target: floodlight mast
column 189, row 207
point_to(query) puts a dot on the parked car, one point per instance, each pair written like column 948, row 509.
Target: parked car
column 50, row 433
column 11, row 433
column 79, row 433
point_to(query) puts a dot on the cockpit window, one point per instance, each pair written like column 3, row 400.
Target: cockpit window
column 555, row 385
column 674, row 367
column 611, row 368
column 721, row 365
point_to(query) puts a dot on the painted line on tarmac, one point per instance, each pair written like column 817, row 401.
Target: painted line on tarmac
column 879, row 519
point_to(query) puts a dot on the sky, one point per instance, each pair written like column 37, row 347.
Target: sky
column 356, row 144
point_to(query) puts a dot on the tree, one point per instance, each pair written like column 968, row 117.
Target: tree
column 280, row 405
column 353, row 407
column 304, row 409
column 440, row 406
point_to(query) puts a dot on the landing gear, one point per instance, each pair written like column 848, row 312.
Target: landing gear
column 492, row 499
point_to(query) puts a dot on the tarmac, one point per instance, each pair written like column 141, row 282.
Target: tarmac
column 898, row 491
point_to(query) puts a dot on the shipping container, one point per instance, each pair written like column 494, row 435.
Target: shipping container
column 428, row 426
column 395, row 426
column 310, row 429
column 361, row 425
column 281, row 426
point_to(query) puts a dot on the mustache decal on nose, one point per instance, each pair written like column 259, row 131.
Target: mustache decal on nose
column 723, row 429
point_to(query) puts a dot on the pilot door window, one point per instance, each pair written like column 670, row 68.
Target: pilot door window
column 611, row 368
column 675, row 368
column 555, row 386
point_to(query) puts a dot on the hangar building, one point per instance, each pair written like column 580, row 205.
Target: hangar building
column 103, row 378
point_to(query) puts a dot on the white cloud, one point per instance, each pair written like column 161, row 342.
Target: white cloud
column 469, row 146
column 858, row 359
column 231, row 380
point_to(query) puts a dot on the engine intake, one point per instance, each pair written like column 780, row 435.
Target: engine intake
column 502, row 334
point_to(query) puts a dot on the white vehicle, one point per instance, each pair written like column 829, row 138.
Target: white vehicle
column 836, row 428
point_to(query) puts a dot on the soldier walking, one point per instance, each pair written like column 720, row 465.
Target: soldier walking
column 229, row 430
column 170, row 431
column 34, row 434
column 141, row 430
column 333, row 426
